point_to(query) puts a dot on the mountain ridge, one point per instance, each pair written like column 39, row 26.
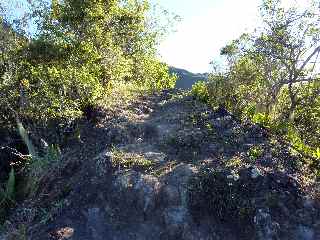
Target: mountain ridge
column 186, row 78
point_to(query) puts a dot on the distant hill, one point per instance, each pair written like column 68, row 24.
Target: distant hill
column 186, row 79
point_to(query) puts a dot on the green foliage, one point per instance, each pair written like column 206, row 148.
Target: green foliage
column 299, row 145
column 19, row 234
column 216, row 194
column 306, row 118
column 48, row 214
column 52, row 155
column 272, row 78
column 7, row 195
column 219, row 90
column 38, row 166
column 25, row 138
column 155, row 75
column 81, row 47
column 261, row 118
column 199, row 89
column 255, row 152
column 81, row 52
column 130, row 160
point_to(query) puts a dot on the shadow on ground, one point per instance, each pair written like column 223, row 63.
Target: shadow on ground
column 168, row 167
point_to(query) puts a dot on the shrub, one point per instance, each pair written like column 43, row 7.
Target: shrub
column 200, row 90
column 255, row 152
column 130, row 160
column 38, row 166
column 272, row 81
column 220, row 195
column 79, row 50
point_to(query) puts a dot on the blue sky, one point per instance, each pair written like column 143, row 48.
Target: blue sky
column 206, row 26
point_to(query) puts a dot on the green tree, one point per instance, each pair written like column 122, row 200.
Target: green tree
column 290, row 41
column 273, row 77
column 81, row 47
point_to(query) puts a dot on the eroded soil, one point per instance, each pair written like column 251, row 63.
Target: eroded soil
column 166, row 166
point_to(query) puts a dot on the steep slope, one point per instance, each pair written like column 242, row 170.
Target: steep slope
column 165, row 166
column 186, row 79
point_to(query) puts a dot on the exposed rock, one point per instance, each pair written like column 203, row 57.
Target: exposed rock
column 184, row 171
column 304, row 233
column 176, row 220
column 96, row 227
column 180, row 177
column 125, row 180
column 117, row 135
column 308, row 203
column 147, row 188
column 170, row 195
column 150, row 131
column 199, row 183
column 214, row 148
column 103, row 163
column 222, row 123
column 255, row 172
column 156, row 157
column 266, row 229
column 62, row 234
column 144, row 189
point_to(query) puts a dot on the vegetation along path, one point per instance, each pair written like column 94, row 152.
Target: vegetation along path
column 165, row 166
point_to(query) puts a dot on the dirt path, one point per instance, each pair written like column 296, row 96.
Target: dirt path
column 138, row 173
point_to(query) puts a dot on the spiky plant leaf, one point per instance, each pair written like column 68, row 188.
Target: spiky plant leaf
column 25, row 137
column 2, row 196
column 10, row 186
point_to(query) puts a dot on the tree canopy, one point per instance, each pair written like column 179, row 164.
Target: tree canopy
column 273, row 74
column 80, row 49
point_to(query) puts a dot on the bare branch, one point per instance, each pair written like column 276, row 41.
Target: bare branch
column 308, row 59
column 315, row 62
column 301, row 80
column 15, row 152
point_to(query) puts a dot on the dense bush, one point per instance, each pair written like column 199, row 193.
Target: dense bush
column 201, row 91
column 78, row 52
column 217, row 194
column 273, row 77
column 81, row 47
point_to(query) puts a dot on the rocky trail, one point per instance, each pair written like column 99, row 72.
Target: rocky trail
column 166, row 166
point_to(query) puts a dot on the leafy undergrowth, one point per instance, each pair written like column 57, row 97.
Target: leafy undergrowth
column 162, row 165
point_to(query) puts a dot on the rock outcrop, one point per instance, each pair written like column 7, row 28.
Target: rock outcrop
column 168, row 167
